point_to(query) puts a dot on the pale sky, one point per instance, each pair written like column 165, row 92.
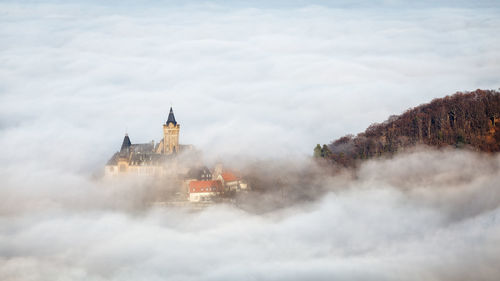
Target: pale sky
column 244, row 78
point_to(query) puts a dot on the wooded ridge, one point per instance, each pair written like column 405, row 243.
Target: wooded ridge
column 465, row 119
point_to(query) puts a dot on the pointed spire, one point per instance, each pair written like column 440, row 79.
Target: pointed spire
column 171, row 118
column 126, row 143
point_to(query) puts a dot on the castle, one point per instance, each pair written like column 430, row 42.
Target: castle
column 196, row 183
column 148, row 158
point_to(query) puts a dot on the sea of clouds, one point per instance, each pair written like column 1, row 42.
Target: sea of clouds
column 243, row 79
column 432, row 215
column 260, row 85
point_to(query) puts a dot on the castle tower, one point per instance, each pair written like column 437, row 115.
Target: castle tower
column 171, row 134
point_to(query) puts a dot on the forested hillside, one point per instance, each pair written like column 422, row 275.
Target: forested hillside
column 469, row 119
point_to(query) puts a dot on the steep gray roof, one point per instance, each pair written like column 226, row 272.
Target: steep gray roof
column 199, row 173
column 148, row 159
column 142, row 147
column 171, row 117
column 126, row 143
column 138, row 154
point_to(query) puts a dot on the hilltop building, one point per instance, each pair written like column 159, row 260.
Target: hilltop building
column 201, row 173
column 149, row 158
column 205, row 190
column 231, row 182
column 204, row 185
column 197, row 183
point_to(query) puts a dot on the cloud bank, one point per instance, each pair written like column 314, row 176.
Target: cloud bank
column 430, row 215
column 238, row 76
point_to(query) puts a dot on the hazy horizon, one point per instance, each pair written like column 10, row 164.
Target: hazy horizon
column 243, row 79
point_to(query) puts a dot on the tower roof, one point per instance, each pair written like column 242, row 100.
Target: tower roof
column 126, row 143
column 171, row 117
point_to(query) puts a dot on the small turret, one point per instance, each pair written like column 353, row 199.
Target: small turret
column 126, row 144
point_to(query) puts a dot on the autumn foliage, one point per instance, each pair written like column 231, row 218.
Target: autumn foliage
column 469, row 119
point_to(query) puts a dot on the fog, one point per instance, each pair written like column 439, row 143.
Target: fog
column 254, row 85
column 423, row 215
column 238, row 76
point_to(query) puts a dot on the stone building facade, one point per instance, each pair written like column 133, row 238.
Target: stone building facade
column 149, row 159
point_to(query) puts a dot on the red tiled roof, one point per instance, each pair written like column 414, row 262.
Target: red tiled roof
column 205, row 186
column 228, row 176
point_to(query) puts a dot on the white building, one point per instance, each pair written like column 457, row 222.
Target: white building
column 231, row 182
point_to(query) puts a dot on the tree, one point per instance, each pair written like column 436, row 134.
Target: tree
column 325, row 151
column 317, row 151
column 463, row 119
